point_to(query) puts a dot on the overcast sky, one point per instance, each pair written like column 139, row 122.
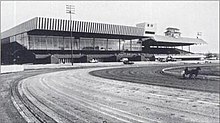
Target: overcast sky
column 190, row 17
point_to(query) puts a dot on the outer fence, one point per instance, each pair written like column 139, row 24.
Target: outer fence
column 11, row 68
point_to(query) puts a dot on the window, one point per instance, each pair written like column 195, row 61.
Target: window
column 67, row 43
column 76, row 44
column 136, row 45
column 100, row 44
column 42, row 41
column 37, row 42
column 113, row 44
column 55, row 43
column 126, row 45
column 31, row 42
column 86, row 44
column 25, row 40
column 49, row 43
column 18, row 39
column 61, row 43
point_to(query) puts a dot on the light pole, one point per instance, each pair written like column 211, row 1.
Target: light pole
column 70, row 9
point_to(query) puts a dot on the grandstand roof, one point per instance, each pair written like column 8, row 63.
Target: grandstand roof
column 171, row 28
column 183, row 40
column 46, row 25
column 51, row 24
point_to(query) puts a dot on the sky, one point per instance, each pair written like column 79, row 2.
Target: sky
column 189, row 16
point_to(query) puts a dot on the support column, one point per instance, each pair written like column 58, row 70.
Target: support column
column 28, row 39
column 63, row 43
column 46, row 42
column 34, row 46
column 107, row 44
column 58, row 42
column 79, row 45
column 130, row 45
column 74, row 43
column 119, row 44
column 189, row 48
column 141, row 44
column 93, row 43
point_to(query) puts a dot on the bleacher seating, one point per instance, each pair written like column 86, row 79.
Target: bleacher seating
column 183, row 51
column 163, row 51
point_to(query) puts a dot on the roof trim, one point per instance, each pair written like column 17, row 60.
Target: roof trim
column 53, row 24
column 160, row 38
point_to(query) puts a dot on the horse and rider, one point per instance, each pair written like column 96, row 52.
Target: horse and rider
column 192, row 72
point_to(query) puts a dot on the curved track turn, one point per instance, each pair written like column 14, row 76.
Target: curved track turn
column 152, row 75
column 76, row 96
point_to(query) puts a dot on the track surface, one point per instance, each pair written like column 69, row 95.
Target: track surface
column 8, row 82
column 152, row 75
column 9, row 92
column 77, row 96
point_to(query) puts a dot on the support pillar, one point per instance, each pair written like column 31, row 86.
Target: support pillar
column 107, row 44
column 119, row 44
column 79, row 44
column 46, row 42
column 34, row 42
column 93, row 43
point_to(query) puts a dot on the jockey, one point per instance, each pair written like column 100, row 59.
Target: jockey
column 185, row 72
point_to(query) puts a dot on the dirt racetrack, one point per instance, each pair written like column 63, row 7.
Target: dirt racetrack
column 152, row 75
column 8, row 84
column 77, row 96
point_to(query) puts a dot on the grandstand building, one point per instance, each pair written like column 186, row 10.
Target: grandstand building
column 48, row 40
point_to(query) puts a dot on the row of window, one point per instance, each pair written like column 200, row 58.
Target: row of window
column 34, row 42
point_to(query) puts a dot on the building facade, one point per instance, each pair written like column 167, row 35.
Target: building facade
column 49, row 40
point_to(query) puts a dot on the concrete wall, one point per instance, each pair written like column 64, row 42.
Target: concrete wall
column 11, row 68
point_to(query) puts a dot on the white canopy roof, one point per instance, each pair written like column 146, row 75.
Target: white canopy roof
column 160, row 38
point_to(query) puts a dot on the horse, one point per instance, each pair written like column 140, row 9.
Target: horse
column 192, row 72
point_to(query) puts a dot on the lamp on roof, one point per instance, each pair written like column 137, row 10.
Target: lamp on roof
column 70, row 9
column 199, row 34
